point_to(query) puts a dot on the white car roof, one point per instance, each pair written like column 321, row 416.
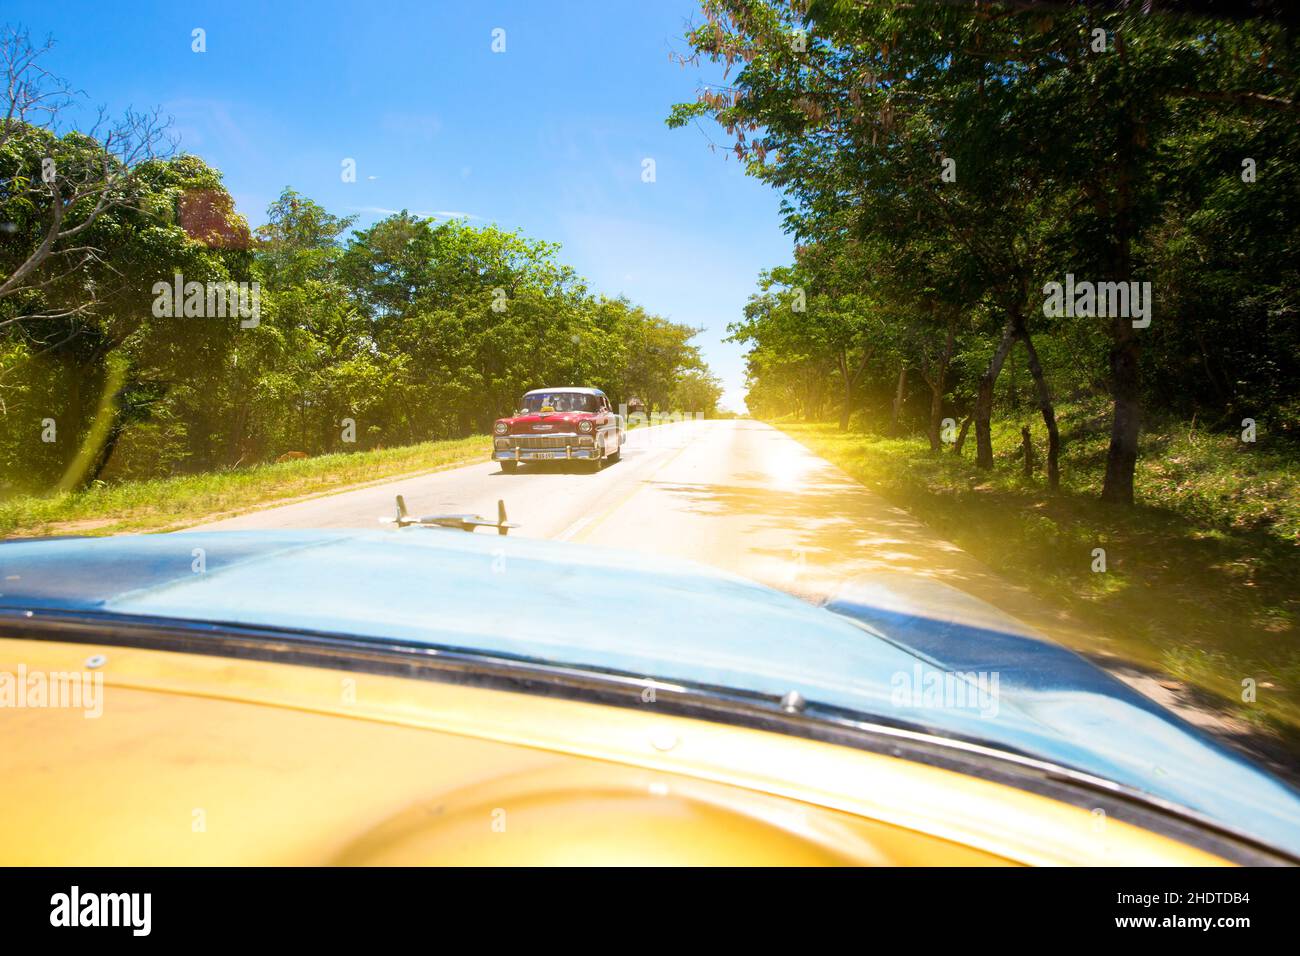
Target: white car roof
column 564, row 388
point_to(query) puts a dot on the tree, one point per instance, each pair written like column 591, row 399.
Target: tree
column 1007, row 141
column 54, row 188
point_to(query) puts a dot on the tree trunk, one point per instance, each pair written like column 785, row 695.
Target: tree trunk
column 961, row 436
column 937, row 380
column 936, row 413
column 1013, row 396
column 847, row 407
column 106, row 453
column 898, row 400
column 984, row 400
column 1121, row 457
column 1027, row 450
column 1046, row 408
column 851, row 383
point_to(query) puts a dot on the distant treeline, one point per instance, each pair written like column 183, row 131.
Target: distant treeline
column 124, row 351
column 1073, row 198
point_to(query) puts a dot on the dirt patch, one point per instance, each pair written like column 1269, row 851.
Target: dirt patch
column 67, row 529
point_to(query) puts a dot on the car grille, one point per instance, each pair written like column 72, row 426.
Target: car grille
column 542, row 441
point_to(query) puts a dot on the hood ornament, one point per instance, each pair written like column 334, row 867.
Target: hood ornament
column 460, row 522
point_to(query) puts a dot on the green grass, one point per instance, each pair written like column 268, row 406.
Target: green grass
column 166, row 503
column 1203, row 576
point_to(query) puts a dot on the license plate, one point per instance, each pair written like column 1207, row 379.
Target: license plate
column 543, row 454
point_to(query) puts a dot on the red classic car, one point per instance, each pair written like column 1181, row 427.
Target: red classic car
column 565, row 424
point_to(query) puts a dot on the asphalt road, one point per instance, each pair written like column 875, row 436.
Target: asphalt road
column 739, row 495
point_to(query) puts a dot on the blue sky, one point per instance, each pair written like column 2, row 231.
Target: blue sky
column 548, row 137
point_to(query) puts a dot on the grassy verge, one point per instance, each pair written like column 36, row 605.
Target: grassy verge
column 1202, row 579
column 167, row 503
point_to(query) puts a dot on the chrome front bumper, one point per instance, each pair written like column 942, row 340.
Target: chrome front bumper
column 568, row 453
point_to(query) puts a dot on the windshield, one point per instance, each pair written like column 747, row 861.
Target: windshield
column 561, row 402
column 882, row 309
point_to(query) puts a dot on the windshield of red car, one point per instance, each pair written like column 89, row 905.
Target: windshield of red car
column 561, row 402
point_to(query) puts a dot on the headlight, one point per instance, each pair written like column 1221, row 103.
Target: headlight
column 585, row 425
column 501, row 428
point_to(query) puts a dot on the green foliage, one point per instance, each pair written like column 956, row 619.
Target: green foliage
column 697, row 393
column 1107, row 144
column 389, row 336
